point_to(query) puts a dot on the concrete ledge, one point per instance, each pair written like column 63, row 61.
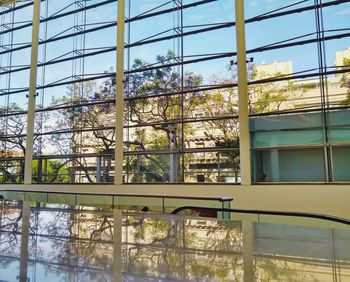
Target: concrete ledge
column 316, row 198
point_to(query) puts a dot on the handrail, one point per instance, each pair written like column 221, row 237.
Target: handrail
column 209, row 198
column 269, row 212
column 220, row 199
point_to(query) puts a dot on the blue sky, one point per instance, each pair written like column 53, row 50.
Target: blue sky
column 258, row 34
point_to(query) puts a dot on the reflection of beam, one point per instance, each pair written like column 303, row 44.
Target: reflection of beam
column 23, row 268
column 248, row 262
column 117, row 245
column 57, row 265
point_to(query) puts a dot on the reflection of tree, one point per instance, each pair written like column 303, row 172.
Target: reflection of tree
column 162, row 114
column 154, row 246
column 100, row 119
column 209, row 249
column 271, row 96
column 221, row 103
column 74, row 244
column 13, row 145
column 265, row 96
column 345, row 81
column 220, row 257
column 52, row 171
column 281, row 270
column 10, row 226
column 83, row 121
column 90, row 114
column 13, row 142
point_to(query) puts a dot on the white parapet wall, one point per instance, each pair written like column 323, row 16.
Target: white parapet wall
column 316, row 198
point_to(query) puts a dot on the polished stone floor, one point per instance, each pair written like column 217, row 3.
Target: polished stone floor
column 48, row 242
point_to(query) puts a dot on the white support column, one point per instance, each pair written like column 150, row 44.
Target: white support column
column 32, row 93
column 119, row 97
column 244, row 135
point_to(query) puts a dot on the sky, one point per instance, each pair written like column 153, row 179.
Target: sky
column 258, row 34
column 220, row 41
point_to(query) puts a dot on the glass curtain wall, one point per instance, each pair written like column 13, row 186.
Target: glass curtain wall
column 180, row 91
column 15, row 42
column 299, row 90
column 74, row 114
column 181, row 104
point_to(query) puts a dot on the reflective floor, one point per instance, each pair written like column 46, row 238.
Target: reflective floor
column 46, row 242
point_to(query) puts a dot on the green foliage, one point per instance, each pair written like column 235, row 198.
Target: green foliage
column 51, row 171
column 345, row 81
column 271, row 96
column 12, row 171
column 162, row 113
column 161, row 106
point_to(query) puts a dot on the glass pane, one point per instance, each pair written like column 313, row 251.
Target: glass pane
column 341, row 163
column 289, row 165
column 15, row 42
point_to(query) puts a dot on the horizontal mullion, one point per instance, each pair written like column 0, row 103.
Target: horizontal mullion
column 59, row 16
column 250, row 51
column 126, row 99
column 297, row 43
column 181, row 151
column 299, row 76
column 16, row 8
column 126, row 153
column 282, row 78
column 137, row 18
column 75, row 106
column 181, row 34
column 296, row 11
column 180, row 121
column 212, row 57
column 185, row 91
column 300, row 111
column 57, row 61
column 189, row 150
column 291, row 147
column 254, row 19
column 80, row 130
column 106, row 26
column 13, row 114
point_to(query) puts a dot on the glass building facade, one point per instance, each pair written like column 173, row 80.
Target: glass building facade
column 63, row 108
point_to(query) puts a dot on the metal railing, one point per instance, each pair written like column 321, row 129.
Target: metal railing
column 225, row 201
column 267, row 212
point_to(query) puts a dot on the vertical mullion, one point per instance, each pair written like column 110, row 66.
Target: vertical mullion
column 32, row 93
column 119, row 99
column 244, row 137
